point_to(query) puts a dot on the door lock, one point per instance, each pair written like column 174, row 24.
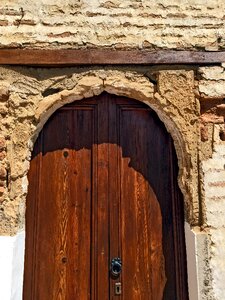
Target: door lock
column 118, row 289
column 116, row 267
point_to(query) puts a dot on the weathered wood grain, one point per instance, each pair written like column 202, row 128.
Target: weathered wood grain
column 69, row 57
column 102, row 184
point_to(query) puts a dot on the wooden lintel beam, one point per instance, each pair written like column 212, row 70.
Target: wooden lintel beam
column 71, row 57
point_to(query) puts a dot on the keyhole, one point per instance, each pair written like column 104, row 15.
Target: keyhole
column 118, row 288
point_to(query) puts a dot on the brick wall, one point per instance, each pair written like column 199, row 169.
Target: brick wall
column 186, row 24
column 214, row 187
column 211, row 83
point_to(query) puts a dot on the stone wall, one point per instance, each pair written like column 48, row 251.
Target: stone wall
column 177, row 24
column 32, row 95
column 189, row 100
column 211, row 93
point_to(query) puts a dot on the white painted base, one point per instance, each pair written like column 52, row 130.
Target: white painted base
column 190, row 239
column 11, row 266
column 197, row 253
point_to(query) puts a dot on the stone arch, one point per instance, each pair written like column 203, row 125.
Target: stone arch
column 172, row 97
column 172, row 113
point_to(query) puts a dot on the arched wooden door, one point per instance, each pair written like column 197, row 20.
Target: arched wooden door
column 103, row 186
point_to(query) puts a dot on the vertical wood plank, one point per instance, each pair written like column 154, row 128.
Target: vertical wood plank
column 31, row 221
column 114, row 188
column 102, row 251
column 144, row 273
column 102, row 185
column 63, row 252
column 80, row 177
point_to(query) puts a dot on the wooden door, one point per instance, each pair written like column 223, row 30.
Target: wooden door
column 103, row 185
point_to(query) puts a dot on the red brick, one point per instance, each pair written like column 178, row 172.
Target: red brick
column 212, row 118
column 60, row 35
column 219, row 184
column 4, row 23
column 24, row 22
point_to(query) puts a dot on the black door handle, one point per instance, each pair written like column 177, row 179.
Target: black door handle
column 116, row 267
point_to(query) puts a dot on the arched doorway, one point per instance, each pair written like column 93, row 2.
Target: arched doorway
column 103, row 185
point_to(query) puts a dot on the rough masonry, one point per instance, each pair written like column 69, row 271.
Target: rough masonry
column 184, row 100
column 188, row 99
column 160, row 24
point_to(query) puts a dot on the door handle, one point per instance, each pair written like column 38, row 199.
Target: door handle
column 116, row 266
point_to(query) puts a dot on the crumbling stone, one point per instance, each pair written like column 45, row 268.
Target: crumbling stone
column 172, row 95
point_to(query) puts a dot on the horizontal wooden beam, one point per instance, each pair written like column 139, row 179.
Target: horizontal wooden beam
column 71, row 57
